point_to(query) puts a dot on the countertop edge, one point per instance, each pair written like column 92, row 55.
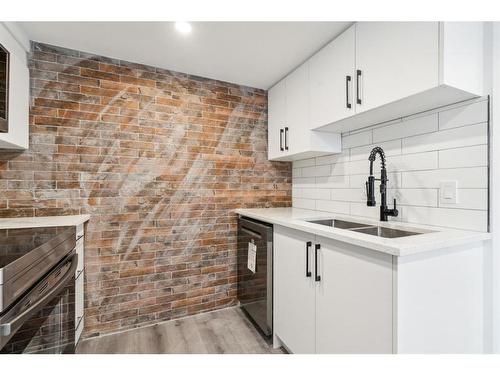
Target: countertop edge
column 395, row 249
column 43, row 221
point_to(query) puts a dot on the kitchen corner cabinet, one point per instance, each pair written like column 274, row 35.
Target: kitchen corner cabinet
column 335, row 297
column 289, row 134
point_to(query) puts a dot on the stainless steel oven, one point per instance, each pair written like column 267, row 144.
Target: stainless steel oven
column 255, row 275
column 37, row 290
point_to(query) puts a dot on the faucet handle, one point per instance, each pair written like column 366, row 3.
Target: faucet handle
column 395, row 210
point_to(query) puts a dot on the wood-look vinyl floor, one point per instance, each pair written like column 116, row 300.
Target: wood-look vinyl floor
column 217, row 332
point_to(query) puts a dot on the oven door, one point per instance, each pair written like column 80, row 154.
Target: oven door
column 43, row 320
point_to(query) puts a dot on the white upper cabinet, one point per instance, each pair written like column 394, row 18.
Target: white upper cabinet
column 16, row 135
column 372, row 73
column 289, row 134
column 297, row 110
column 331, row 80
column 394, row 60
column 276, row 120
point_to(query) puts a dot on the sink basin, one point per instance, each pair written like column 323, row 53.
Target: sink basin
column 385, row 232
column 341, row 224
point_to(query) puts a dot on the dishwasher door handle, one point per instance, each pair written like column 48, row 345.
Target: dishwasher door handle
column 251, row 232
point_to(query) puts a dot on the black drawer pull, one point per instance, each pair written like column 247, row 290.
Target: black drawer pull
column 358, row 86
column 347, row 83
column 316, row 248
column 308, row 245
column 281, row 140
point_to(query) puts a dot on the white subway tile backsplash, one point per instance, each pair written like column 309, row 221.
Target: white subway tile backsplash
column 474, row 156
column 466, row 178
column 333, row 206
column 332, row 182
column 421, row 151
column 336, row 158
column 415, row 197
column 390, row 148
column 358, row 181
column 317, row 171
column 302, row 182
column 315, row 193
column 357, row 139
column 471, row 199
column 304, row 163
column 452, row 138
column 350, row 167
column 413, row 162
column 466, row 115
column 455, row 218
column 418, row 125
column 349, row 195
column 308, row 204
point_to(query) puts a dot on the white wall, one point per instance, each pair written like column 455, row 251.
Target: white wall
column 446, row 144
column 495, row 191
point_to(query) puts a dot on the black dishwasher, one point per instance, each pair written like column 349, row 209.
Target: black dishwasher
column 255, row 271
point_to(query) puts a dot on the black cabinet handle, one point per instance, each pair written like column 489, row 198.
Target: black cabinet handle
column 286, row 138
column 358, row 87
column 316, row 248
column 347, row 83
column 281, row 140
column 308, row 245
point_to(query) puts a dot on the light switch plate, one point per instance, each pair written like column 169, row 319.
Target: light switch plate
column 448, row 192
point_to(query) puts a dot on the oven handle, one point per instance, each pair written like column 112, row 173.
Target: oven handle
column 6, row 329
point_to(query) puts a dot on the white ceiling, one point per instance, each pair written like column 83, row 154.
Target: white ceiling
column 256, row 54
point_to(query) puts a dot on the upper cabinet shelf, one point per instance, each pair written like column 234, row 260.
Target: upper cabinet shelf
column 372, row 73
column 385, row 70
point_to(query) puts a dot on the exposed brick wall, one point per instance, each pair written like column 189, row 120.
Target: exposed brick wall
column 159, row 159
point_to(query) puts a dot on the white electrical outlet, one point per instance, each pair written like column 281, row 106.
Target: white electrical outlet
column 448, row 192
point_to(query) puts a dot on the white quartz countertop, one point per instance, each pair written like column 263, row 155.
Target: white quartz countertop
column 43, row 221
column 431, row 238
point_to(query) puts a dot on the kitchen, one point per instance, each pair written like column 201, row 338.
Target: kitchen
column 335, row 199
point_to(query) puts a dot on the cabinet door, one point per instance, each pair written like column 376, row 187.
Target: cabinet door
column 353, row 299
column 276, row 118
column 294, row 299
column 297, row 110
column 395, row 60
column 331, row 81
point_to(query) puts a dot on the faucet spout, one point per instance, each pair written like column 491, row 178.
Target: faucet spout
column 385, row 212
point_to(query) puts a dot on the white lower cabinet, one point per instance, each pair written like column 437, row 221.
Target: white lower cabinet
column 337, row 300
column 344, row 298
column 353, row 299
column 294, row 292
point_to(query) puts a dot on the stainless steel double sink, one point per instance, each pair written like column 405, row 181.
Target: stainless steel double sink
column 373, row 230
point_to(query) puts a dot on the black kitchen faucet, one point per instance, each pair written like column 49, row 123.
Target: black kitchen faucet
column 370, row 186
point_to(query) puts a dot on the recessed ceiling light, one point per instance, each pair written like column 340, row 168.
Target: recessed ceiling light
column 183, row 27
